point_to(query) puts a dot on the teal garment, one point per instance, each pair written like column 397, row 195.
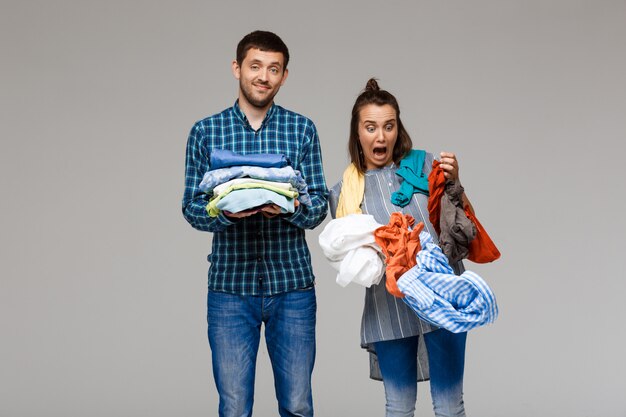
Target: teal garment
column 412, row 171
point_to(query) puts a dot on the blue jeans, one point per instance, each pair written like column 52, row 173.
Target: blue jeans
column 398, row 365
column 234, row 326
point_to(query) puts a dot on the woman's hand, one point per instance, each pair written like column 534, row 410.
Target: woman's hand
column 449, row 165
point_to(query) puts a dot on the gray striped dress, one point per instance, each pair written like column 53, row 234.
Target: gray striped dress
column 386, row 317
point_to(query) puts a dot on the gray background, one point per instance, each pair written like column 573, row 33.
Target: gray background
column 103, row 284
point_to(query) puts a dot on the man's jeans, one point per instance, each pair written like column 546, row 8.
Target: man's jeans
column 234, row 324
column 398, row 365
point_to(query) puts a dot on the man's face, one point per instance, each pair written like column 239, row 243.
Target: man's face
column 260, row 76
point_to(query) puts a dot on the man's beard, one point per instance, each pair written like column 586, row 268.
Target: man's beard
column 260, row 103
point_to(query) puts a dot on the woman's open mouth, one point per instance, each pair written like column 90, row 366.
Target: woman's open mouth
column 380, row 151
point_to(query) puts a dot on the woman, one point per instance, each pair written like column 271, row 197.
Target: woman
column 390, row 330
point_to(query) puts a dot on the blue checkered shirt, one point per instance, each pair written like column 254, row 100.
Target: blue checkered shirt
column 456, row 303
column 256, row 255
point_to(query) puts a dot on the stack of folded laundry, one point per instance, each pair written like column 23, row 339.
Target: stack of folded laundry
column 247, row 183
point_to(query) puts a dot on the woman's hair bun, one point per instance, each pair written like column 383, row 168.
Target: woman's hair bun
column 372, row 85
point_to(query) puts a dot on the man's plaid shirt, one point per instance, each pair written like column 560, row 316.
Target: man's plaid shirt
column 256, row 255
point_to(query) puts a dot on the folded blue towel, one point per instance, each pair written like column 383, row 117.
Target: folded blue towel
column 222, row 158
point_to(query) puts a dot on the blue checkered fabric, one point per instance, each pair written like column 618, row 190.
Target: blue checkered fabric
column 456, row 303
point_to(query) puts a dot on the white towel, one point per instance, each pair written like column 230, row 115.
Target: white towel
column 348, row 244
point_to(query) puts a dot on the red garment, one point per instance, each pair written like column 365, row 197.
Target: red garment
column 436, row 187
column 400, row 246
column 481, row 249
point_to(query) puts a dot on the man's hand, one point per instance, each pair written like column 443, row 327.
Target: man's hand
column 273, row 210
column 240, row 215
column 269, row 211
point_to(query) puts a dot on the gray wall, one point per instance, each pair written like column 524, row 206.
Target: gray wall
column 103, row 284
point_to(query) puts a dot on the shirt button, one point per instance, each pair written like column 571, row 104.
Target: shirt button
column 258, row 259
column 390, row 184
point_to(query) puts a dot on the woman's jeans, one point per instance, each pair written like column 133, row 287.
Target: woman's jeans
column 398, row 365
column 234, row 326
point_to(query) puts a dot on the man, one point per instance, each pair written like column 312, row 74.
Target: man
column 260, row 268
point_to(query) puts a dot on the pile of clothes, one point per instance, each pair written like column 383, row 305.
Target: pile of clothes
column 247, row 183
column 416, row 268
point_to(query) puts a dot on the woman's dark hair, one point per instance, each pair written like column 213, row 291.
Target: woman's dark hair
column 264, row 41
column 374, row 95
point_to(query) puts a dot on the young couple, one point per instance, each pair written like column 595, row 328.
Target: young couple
column 260, row 268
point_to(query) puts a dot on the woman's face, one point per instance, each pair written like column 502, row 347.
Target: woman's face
column 378, row 131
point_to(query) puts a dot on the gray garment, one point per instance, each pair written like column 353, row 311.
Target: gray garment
column 386, row 317
column 457, row 231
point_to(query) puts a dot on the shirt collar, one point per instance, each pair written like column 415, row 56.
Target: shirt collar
column 241, row 115
column 374, row 171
